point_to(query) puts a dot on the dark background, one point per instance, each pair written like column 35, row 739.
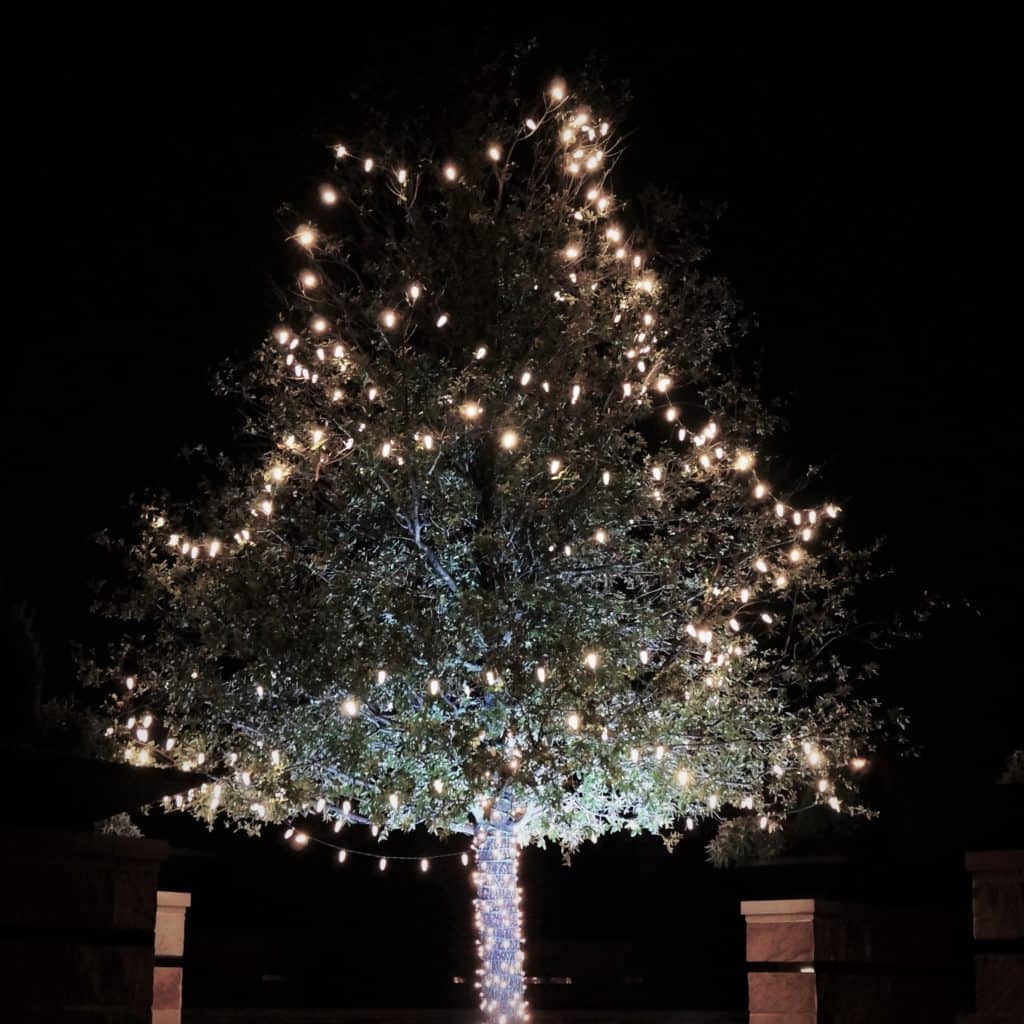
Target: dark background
column 870, row 229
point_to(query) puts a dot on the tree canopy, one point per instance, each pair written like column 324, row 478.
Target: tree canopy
column 498, row 531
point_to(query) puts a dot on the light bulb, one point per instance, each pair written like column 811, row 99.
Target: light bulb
column 494, row 153
column 327, row 195
column 509, row 440
column 450, row 172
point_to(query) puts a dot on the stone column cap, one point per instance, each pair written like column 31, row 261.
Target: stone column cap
column 168, row 898
column 994, row 860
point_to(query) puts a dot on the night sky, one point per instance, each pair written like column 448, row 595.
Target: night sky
column 867, row 214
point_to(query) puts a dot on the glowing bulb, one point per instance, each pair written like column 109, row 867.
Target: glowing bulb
column 414, row 292
column 308, row 279
column 555, row 467
column 592, row 660
column 471, row 410
column 266, row 507
column 557, row 90
column 664, row 383
column 571, row 252
column 601, row 536
column 858, row 764
column 542, row 673
column 606, row 478
column 438, row 786
column 509, row 440
column 480, row 353
column 350, row 707
column 683, row 777
column 402, row 175
column 428, row 442
column 634, row 755
column 214, row 548
column 306, row 236
column 494, row 153
column 614, row 234
column 525, row 379
column 442, row 320
column 327, row 195
column 389, row 318
column 450, row 172
column 393, row 801
column 340, row 151
column 342, row 856
column 368, row 165
column 796, row 555
column 434, row 687
column 424, row 865
column 573, row 721
column 382, row 863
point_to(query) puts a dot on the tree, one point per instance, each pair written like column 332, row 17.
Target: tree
column 509, row 566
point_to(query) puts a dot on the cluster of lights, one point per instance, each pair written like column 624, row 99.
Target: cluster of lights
column 498, row 918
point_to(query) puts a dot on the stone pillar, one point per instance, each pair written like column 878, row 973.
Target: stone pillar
column 997, row 898
column 169, row 947
column 76, row 927
column 813, row 961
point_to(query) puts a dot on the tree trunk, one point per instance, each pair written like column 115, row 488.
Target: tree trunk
column 498, row 923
